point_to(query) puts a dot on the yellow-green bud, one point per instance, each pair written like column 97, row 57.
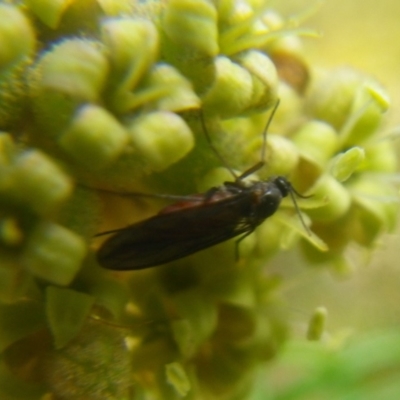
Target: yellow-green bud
column 213, row 178
column 133, row 46
column 316, row 141
column 346, row 163
column 191, row 24
column 376, row 208
column 71, row 73
column 38, row 182
column 53, row 253
column 162, row 138
column 95, row 138
column 176, row 91
column 339, row 199
column 331, row 95
column 49, row 12
column 75, row 67
column 380, row 157
column 232, row 90
column 264, row 76
column 16, row 36
column 369, row 104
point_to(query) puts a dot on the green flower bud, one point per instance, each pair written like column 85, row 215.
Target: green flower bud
column 133, row 46
column 379, row 157
column 365, row 115
column 163, row 138
column 213, row 178
column 282, row 156
column 269, row 238
column 189, row 34
column 344, row 164
column 37, row 182
column 264, row 76
column 231, row 12
column 232, row 90
column 16, row 36
column 292, row 69
column 191, row 24
column 317, row 142
column 72, row 73
column 95, row 138
column 49, row 12
column 118, row 109
column 336, row 236
column 238, row 33
column 290, row 110
column 339, row 199
column 376, row 208
column 115, row 8
column 175, row 91
column 15, row 56
column 75, row 67
column 331, row 95
column 53, row 253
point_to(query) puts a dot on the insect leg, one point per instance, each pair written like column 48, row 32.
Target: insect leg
column 292, row 193
column 237, row 242
column 209, row 194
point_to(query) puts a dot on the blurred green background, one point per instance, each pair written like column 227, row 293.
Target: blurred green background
column 363, row 34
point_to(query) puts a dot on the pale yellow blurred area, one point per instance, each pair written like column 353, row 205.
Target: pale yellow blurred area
column 364, row 34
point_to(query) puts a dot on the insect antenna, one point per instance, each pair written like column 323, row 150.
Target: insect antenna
column 213, row 148
column 292, row 193
column 261, row 163
column 121, row 193
column 255, row 167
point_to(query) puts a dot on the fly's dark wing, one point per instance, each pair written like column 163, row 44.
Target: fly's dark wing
column 170, row 236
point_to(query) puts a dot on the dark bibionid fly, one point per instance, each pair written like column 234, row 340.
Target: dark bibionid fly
column 199, row 221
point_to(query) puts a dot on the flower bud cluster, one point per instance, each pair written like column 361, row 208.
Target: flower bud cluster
column 107, row 96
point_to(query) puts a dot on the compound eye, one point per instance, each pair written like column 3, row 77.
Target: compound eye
column 283, row 185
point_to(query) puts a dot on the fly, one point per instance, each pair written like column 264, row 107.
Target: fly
column 197, row 222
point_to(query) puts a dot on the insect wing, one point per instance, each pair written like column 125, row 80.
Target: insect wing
column 170, row 236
